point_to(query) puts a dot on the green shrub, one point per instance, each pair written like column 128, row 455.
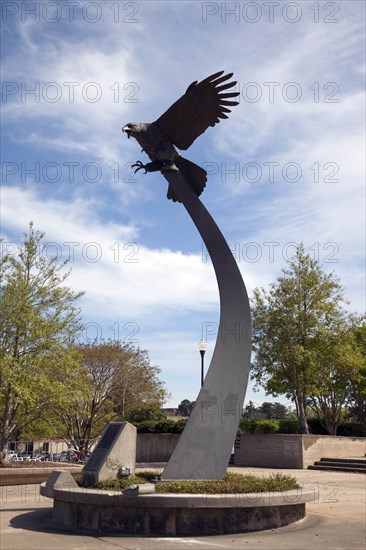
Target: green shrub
column 146, row 427
column 246, row 426
column 267, row 426
column 289, row 426
column 119, row 483
column 258, row 426
column 164, row 426
column 229, row 484
column 351, row 429
column 315, row 427
column 161, row 426
column 179, row 426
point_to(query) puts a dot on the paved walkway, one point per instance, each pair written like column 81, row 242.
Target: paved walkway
column 335, row 521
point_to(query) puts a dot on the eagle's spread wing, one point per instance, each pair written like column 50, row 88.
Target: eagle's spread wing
column 201, row 106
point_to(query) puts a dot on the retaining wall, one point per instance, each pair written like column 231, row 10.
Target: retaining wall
column 155, row 447
column 294, row 450
column 25, row 476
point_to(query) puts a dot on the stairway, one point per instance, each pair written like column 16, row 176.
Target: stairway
column 236, row 446
column 340, row 465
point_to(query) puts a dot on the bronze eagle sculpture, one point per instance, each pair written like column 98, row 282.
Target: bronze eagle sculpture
column 202, row 105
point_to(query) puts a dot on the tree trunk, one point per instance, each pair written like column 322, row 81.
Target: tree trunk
column 3, row 450
column 300, row 402
column 5, row 429
column 330, row 421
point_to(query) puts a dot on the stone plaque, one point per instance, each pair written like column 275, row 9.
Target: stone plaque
column 109, row 435
column 95, row 461
column 115, row 450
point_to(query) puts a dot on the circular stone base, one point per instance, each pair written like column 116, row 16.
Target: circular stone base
column 175, row 515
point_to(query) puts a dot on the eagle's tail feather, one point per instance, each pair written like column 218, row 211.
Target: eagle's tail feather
column 194, row 175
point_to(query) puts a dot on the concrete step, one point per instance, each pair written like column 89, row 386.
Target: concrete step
column 343, row 460
column 354, row 469
column 340, row 465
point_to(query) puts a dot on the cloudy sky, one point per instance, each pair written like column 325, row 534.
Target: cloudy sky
column 287, row 167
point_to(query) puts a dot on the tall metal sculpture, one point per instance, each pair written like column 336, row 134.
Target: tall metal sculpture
column 204, row 449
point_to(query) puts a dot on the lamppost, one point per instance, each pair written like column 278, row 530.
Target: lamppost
column 202, row 346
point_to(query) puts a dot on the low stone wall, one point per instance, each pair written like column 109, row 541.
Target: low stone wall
column 25, row 476
column 155, row 447
column 294, row 450
column 269, row 451
column 105, row 512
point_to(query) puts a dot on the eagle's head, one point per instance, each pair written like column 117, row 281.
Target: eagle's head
column 134, row 128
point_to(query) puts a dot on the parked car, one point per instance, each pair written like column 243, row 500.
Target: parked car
column 36, row 457
column 25, row 457
column 12, row 455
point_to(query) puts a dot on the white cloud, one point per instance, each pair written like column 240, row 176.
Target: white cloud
column 109, row 264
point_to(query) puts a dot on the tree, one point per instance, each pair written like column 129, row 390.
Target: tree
column 295, row 324
column 38, row 366
column 357, row 395
column 120, row 379
column 252, row 412
column 185, row 407
column 265, row 411
column 138, row 414
column 340, row 363
column 273, row 410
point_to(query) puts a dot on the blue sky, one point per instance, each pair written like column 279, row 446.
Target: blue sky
column 287, row 167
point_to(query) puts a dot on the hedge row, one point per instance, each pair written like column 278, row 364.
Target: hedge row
column 285, row 426
column 161, row 426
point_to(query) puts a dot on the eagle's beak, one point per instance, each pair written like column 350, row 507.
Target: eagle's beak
column 127, row 130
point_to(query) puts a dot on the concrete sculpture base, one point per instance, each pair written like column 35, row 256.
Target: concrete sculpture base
column 103, row 512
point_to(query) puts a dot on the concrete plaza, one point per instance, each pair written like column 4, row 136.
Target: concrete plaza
column 335, row 521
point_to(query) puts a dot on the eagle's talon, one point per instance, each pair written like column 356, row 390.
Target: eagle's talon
column 139, row 166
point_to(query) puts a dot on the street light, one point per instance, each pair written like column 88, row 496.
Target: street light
column 202, row 346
